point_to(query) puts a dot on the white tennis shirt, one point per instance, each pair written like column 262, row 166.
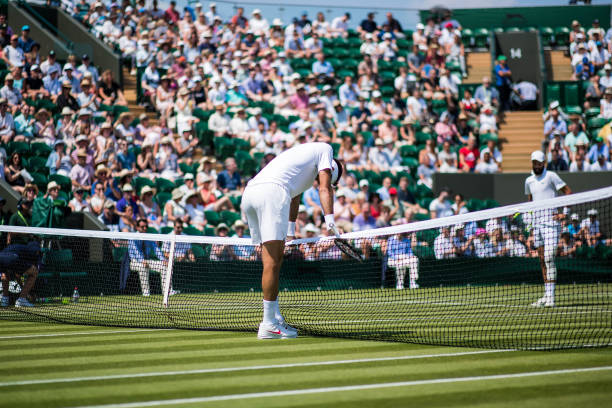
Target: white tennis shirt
column 296, row 168
column 542, row 187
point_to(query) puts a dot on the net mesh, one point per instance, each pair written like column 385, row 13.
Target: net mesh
column 469, row 280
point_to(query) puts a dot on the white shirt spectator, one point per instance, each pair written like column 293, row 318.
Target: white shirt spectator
column 441, row 209
column 339, row 25
column 259, row 25
column 483, row 248
column 605, row 109
column 606, row 166
column 487, row 167
column 591, row 227
column 15, row 55
column 574, row 168
column 443, row 247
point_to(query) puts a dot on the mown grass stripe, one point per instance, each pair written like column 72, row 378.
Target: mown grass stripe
column 359, row 387
column 247, row 368
column 35, row 335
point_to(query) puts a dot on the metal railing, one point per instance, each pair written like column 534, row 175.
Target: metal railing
column 46, row 24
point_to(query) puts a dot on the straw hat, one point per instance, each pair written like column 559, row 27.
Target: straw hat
column 52, row 184
column 220, row 227
column 42, row 112
column 127, row 188
column 239, row 224
column 145, row 190
column 67, row 111
column 177, row 194
column 101, row 168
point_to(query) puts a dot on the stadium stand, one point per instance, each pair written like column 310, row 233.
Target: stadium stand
column 205, row 103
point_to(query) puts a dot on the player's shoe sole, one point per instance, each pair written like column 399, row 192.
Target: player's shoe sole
column 274, row 331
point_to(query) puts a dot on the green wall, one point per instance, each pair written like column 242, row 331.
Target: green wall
column 529, row 16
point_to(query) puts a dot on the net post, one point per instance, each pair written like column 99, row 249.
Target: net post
column 168, row 272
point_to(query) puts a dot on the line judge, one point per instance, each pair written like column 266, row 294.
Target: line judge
column 270, row 203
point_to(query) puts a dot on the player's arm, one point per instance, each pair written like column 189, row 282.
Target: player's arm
column 326, row 195
column 566, row 190
column 293, row 213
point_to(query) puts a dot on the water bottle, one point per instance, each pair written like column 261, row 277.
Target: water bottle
column 75, row 295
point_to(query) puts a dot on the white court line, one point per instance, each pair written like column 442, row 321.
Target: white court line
column 246, row 368
column 29, row 336
column 344, row 388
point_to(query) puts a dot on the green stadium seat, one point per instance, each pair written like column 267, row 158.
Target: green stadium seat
column 64, row 182
column 597, row 122
column 139, row 182
column 467, row 35
column 512, row 30
column 212, row 217
column 344, row 73
column 37, row 164
column 498, row 30
column 166, row 230
column 229, row 217
column 209, row 231
column 152, row 230
column 191, row 230
column 409, row 151
column 23, row 148
column 474, row 204
column 547, row 34
column 553, row 92
column 354, row 42
column 423, row 191
column 422, row 137
column 571, row 95
column 481, row 37
column 592, row 112
column 562, row 36
column 41, row 180
column 162, row 184
column 162, row 198
column 41, row 149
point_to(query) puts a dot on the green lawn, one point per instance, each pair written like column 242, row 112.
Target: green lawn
column 52, row 365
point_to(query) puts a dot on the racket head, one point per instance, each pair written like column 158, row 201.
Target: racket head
column 348, row 249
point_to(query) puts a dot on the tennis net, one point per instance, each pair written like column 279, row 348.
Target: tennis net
column 468, row 280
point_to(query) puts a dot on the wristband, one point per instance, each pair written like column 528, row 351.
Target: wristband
column 291, row 229
column 329, row 219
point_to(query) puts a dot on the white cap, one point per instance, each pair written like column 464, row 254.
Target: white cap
column 592, row 211
column 607, row 67
column 420, row 26
column 376, row 94
column 575, row 217
column 302, row 208
column 538, row 155
column 364, row 182
column 256, row 11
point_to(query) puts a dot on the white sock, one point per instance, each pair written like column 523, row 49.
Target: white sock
column 549, row 288
column 270, row 307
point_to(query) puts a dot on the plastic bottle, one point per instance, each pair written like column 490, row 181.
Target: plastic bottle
column 75, row 295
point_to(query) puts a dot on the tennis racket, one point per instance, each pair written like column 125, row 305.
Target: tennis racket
column 348, row 249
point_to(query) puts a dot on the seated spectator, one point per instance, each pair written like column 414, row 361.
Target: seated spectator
column 441, row 206
column 364, row 220
column 605, row 105
column 229, row 180
column 182, row 250
column 164, row 99
column 575, row 136
column 485, row 94
column 468, row 155
column 15, row 174
column 339, row 25
column 487, row 120
column 221, row 252
column 567, row 246
column 109, row 217
column 486, row 164
column 219, row 121
column 13, row 54
column 174, row 210
column 605, row 81
column 44, row 128
column 416, row 105
column 149, row 208
column 348, row 92
column 145, row 160
column 444, row 247
column 446, row 130
column 599, row 148
column 557, row 162
column 58, row 161
column 128, row 200
column 594, row 93
column 10, row 92
column 579, row 164
column 601, row 164
column 322, row 68
column 110, row 91
column 482, row 245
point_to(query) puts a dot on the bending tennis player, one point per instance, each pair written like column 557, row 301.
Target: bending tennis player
column 270, row 203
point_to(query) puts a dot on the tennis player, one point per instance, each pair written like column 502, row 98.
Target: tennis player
column 543, row 184
column 17, row 260
column 270, row 203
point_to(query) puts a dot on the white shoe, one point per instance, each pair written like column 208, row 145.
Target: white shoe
column 22, row 302
column 549, row 302
column 174, row 292
column 399, row 287
column 146, row 294
column 4, row 301
column 540, row 302
column 414, row 286
column 284, row 324
column 274, row 331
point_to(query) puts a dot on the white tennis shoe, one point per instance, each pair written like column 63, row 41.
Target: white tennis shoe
column 287, row 327
column 544, row 301
column 22, row 302
column 274, row 331
column 4, row 301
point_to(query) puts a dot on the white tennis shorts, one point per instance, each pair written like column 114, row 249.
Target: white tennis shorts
column 547, row 236
column 266, row 207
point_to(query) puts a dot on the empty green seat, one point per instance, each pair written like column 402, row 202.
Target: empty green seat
column 212, row 217
column 409, row 151
column 64, row 182
column 571, row 95
column 553, row 92
column 40, row 149
column 230, row 217
column 547, row 34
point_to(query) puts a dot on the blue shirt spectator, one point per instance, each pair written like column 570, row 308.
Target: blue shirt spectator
column 311, row 196
column 599, row 148
column 322, row 67
column 143, row 250
column 364, row 221
column 399, row 247
column 126, row 159
column 486, row 94
column 229, row 179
